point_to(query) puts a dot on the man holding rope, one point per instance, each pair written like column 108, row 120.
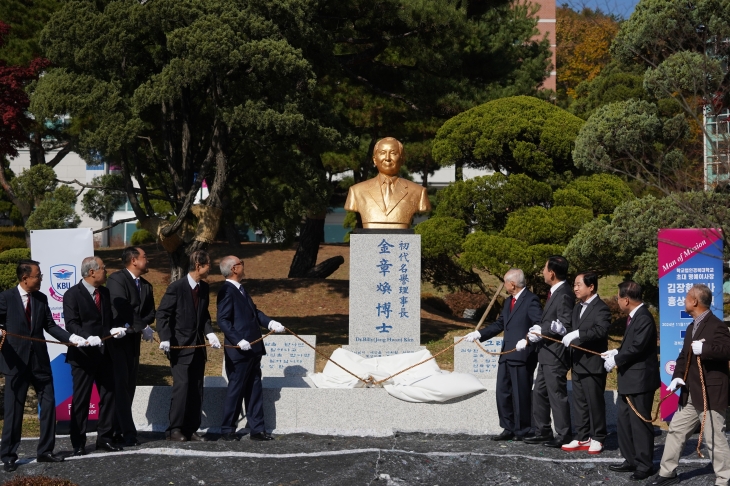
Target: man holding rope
column 638, row 379
column 514, row 375
column 24, row 312
column 704, row 396
column 182, row 321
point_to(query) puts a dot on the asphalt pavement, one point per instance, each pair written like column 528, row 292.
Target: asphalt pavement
column 302, row 459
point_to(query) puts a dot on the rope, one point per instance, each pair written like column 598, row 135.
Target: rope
column 704, row 404
column 38, row 340
column 193, row 346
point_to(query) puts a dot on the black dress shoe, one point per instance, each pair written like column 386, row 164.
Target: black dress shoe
column 505, row 435
column 49, row 457
column 624, row 467
column 538, row 439
column 556, row 443
column 640, row 475
column 10, row 466
column 80, row 451
column 108, row 446
column 131, row 442
column 118, row 439
column 194, row 437
column 230, row 436
column 176, row 435
column 662, row 481
column 261, row 436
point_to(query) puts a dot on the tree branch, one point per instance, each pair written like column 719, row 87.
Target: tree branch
column 115, row 223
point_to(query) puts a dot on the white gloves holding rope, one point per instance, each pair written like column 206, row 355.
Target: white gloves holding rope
column 675, row 383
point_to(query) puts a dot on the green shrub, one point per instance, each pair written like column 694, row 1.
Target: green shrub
column 9, row 242
column 8, row 279
column 142, row 236
column 14, row 255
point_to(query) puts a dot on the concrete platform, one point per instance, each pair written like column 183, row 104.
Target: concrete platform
column 294, row 405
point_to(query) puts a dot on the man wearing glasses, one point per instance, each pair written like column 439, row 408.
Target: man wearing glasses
column 241, row 322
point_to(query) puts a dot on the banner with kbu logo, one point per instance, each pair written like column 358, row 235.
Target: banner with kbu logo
column 60, row 253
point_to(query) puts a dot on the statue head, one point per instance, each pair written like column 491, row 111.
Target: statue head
column 388, row 156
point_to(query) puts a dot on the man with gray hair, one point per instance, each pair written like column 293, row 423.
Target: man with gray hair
column 87, row 310
column 709, row 339
column 514, row 376
column 241, row 323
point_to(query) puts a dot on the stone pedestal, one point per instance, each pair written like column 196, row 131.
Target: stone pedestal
column 385, row 294
column 468, row 358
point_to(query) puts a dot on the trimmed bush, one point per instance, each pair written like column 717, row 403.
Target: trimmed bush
column 142, row 236
column 14, row 255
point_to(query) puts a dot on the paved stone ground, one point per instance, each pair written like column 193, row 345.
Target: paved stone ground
column 403, row 459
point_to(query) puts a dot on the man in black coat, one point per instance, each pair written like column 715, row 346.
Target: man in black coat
column 709, row 339
column 133, row 308
column 87, row 310
column 638, row 379
column 514, row 375
column 183, row 319
column 590, row 322
column 241, row 323
column 24, row 311
column 550, row 392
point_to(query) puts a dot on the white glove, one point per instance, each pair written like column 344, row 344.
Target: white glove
column 213, row 340
column 147, row 333
column 78, row 340
column 609, row 354
column 521, row 345
column 244, row 345
column 532, row 337
column 276, row 326
column 697, row 347
column 118, row 332
column 609, row 364
column 676, row 383
column 569, row 338
column 94, row 340
column 473, row 336
column 165, row 346
column 557, row 327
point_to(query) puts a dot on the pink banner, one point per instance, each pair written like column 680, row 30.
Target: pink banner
column 677, row 246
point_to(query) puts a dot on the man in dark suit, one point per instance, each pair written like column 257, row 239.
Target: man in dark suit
column 24, row 311
column 638, row 379
column 707, row 337
column 551, row 385
column 590, row 322
column 241, row 323
column 133, row 308
column 87, row 309
column 514, row 375
column 183, row 319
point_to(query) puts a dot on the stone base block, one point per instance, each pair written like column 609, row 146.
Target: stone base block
column 293, row 405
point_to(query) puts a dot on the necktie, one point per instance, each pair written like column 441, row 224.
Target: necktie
column 628, row 321
column 27, row 309
column 388, row 193
column 512, row 304
column 97, row 300
column 196, row 297
column 550, row 294
column 139, row 287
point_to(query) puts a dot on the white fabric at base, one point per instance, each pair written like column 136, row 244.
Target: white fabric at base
column 424, row 383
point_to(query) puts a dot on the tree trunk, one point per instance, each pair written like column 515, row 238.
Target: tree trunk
column 425, row 178
column 326, row 268
column 310, row 236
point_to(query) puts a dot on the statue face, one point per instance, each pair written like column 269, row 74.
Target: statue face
column 387, row 158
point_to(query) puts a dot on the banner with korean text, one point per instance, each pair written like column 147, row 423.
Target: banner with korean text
column 686, row 257
column 60, row 252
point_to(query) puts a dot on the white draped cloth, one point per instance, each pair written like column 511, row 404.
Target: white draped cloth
column 424, row 383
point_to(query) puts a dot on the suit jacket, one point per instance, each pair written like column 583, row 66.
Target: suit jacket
column 179, row 323
column 593, row 334
column 515, row 324
column 559, row 307
column 84, row 319
column 408, row 199
column 130, row 306
column 239, row 319
column 15, row 353
column 714, row 358
column 636, row 362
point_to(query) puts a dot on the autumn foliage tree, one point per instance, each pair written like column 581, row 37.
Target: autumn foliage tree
column 583, row 40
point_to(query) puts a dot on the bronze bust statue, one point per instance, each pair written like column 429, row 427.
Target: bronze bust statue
column 387, row 201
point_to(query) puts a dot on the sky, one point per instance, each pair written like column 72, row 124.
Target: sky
column 622, row 8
